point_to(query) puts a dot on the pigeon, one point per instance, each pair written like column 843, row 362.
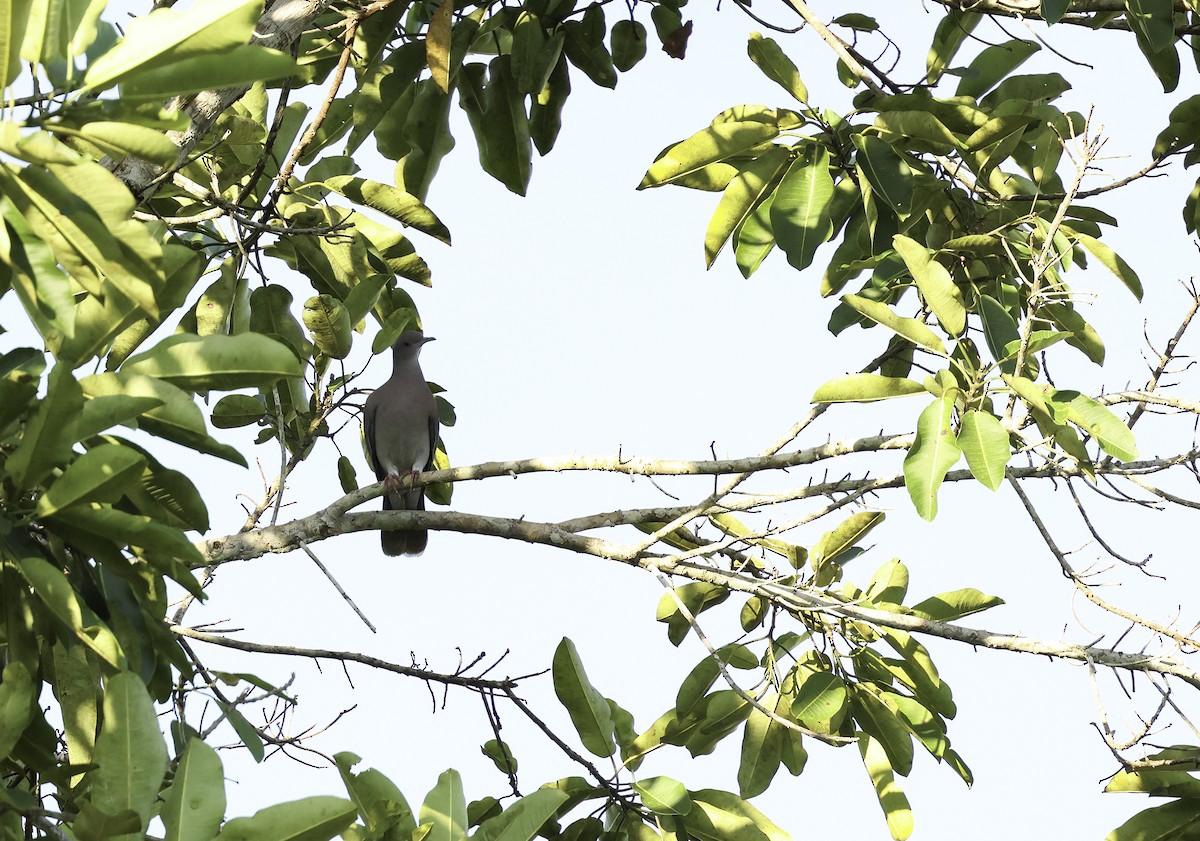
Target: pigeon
column 400, row 429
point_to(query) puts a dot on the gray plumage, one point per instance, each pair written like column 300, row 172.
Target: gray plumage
column 400, row 428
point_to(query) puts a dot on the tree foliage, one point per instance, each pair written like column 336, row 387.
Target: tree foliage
column 151, row 178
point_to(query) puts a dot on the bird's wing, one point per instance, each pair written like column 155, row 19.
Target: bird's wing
column 433, row 438
column 368, row 431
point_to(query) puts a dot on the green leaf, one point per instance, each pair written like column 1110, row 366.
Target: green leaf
column 522, row 820
column 1053, row 10
column 234, row 410
column 932, row 454
column 857, row 22
column 891, row 797
column 664, row 796
column 999, row 330
column 51, row 431
column 628, row 41
column 865, row 388
column 243, row 65
column 404, row 207
column 194, row 806
column 800, row 217
column 1098, row 421
column 820, row 697
column 763, row 744
column 889, row 584
column 709, row 145
column 103, row 413
column 124, row 139
column 985, row 444
column 696, row 596
column 946, row 607
column 545, row 111
column 216, row 362
column 847, row 533
column 584, row 46
column 776, row 66
column 1112, row 261
column 881, row 722
column 1153, row 21
column 502, row 131
column 890, row 175
column 445, row 809
column 992, row 64
column 427, row 133
column 953, row 30
column 165, row 36
column 329, row 322
column 588, row 709
column 17, row 703
column 101, row 475
column 745, row 192
column 131, row 756
column 938, row 289
column 169, row 497
column 319, row 818
column 14, row 17
column 1179, row 819
column 910, row 328
column 921, row 126
column 379, row 801
column 178, row 419
column 722, row 816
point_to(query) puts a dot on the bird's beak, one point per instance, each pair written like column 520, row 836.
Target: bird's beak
column 428, row 339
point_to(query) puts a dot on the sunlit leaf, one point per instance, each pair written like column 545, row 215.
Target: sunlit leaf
column 984, row 442
column 932, row 454
column 588, row 709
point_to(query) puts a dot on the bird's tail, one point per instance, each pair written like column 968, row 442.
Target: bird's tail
column 399, row 542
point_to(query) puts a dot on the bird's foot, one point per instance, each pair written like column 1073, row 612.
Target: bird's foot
column 394, row 482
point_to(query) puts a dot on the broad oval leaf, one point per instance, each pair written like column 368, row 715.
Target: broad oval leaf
column 195, row 803
column 329, row 322
column 444, row 809
column 933, row 453
column 800, row 218
column 664, row 796
column 821, row 696
column 985, row 444
column 522, row 820
column 131, row 756
column 99, row 475
column 216, row 362
column 776, row 66
column 588, row 709
column 890, row 175
column 1114, row 437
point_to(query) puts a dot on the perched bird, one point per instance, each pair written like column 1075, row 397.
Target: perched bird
column 400, row 429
